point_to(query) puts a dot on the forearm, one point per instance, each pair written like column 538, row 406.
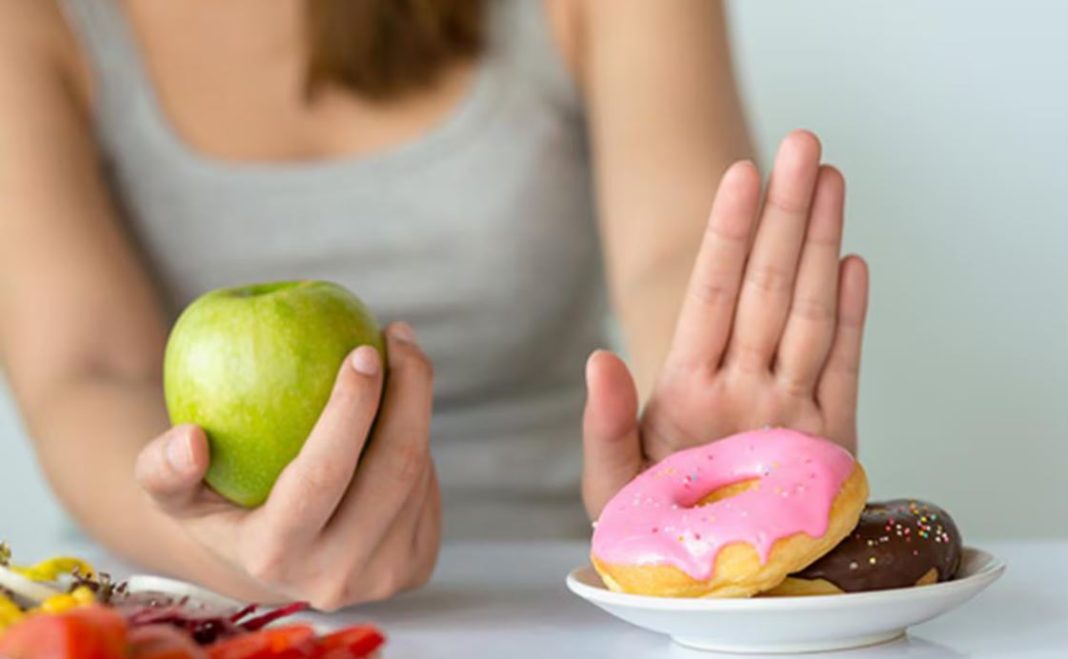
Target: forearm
column 648, row 291
column 666, row 122
column 87, row 436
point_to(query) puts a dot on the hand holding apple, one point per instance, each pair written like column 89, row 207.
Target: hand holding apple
column 355, row 516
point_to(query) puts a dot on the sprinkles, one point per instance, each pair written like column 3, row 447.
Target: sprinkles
column 893, row 545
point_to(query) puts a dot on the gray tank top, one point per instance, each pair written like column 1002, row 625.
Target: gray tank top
column 481, row 233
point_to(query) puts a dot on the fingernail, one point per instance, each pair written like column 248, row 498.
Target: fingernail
column 365, row 361
column 178, row 454
column 402, row 332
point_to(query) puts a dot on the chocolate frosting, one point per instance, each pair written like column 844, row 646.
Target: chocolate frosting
column 893, row 546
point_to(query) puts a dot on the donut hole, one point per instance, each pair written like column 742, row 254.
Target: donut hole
column 728, row 491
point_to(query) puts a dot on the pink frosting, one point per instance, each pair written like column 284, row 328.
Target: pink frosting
column 655, row 519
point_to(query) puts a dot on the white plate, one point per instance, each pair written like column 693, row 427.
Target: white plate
column 150, row 583
column 791, row 624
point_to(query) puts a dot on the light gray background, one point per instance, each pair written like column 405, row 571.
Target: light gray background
column 950, row 120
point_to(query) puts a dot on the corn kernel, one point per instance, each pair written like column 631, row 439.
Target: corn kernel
column 82, row 595
column 58, row 604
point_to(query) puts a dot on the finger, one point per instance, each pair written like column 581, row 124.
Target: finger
column 400, row 450
column 428, row 534
column 839, row 381
column 384, row 565
column 611, row 443
column 809, row 331
column 171, row 468
column 400, row 560
column 767, row 285
column 310, row 487
column 705, row 317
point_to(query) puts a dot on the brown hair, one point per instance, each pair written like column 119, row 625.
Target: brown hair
column 383, row 48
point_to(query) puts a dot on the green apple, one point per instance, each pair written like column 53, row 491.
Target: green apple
column 254, row 366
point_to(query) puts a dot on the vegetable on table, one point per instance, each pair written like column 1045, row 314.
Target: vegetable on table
column 62, row 608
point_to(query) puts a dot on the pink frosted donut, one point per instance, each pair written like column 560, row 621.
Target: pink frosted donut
column 731, row 518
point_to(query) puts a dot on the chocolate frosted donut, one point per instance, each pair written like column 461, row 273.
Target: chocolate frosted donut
column 896, row 544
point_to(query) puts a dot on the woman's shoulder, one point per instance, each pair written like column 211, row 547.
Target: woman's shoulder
column 564, row 19
column 539, row 42
column 36, row 38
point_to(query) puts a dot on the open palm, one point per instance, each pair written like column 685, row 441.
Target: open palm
column 769, row 332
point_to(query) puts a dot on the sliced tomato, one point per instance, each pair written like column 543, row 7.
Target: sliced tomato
column 350, row 643
column 163, row 642
column 289, row 642
column 91, row 632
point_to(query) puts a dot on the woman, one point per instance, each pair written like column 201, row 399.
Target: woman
column 443, row 160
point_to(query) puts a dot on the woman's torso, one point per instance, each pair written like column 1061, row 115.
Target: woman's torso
column 478, row 228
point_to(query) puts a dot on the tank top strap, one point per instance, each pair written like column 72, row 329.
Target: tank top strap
column 520, row 34
column 110, row 47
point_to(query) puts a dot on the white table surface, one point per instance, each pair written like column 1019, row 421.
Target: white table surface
column 510, row 601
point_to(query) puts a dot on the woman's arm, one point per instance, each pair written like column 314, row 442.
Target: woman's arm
column 82, row 341
column 769, row 328
column 666, row 122
column 81, row 338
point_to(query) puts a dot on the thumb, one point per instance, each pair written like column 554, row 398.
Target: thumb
column 170, row 469
column 612, row 453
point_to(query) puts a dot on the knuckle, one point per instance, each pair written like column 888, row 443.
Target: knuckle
column 321, row 475
column 679, row 377
column 409, row 460
column 333, row 595
column 811, row 309
column 267, row 563
column 750, row 359
column 383, row 587
column 784, row 205
column 768, row 279
column 794, row 385
column 716, row 292
column 717, row 233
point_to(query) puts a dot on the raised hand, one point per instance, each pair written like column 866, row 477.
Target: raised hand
column 354, row 517
column 769, row 332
